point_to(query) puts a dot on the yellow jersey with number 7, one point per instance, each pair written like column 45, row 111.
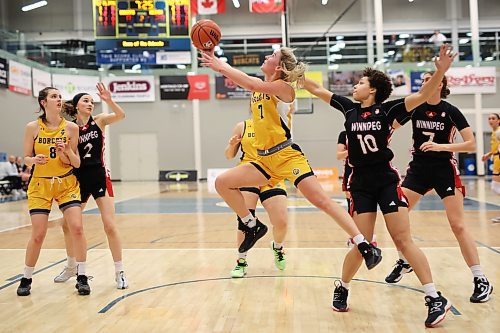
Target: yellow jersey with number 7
column 45, row 143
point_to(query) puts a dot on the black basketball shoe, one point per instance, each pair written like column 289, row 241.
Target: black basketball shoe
column 482, row 290
column 252, row 235
column 400, row 268
column 82, row 284
column 24, row 287
column 438, row 307
column 371, row 254
column 340, row 294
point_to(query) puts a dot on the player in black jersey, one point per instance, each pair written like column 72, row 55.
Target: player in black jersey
column 369, row 125
column 433, row 166
column 93, row 176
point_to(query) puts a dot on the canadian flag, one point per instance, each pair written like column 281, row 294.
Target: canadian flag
column 267, row 6
column 207, row 7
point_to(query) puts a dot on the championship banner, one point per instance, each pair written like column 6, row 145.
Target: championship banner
column 400, row 82
column 463, row 80
column 4, row 71
column 225, row 88
column 41, row 79
column 313, row 76
column 19, row 78
column 266, row 6
column 131, row 88
column 184, row 87
column 342, row 82
column 70, row 85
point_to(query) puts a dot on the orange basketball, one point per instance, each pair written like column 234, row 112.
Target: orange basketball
column 205, row 35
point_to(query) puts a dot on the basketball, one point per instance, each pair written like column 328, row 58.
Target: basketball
column 205, row 35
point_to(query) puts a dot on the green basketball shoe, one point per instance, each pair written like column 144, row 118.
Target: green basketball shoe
column 279, row 257
column 240, row 270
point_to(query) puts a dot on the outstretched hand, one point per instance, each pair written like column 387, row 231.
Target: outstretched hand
column 208, row 59
column 446, row 57
column 103, row 93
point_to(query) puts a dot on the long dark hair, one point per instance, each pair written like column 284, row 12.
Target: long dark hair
column 445, row 91
column 42, row 96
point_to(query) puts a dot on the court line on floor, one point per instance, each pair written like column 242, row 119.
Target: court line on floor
column 488, row 247
column 17, row 278
column 121, row 298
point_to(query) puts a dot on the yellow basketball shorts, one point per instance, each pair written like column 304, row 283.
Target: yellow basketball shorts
column 289, row 163
column 42, row 191
column 496, row 165
column 267, row 191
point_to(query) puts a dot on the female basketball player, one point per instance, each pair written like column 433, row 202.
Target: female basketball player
column 494, row 121
column 433, row 167
column 278, row 157
column 93, row 175
column 369, row 126
column 50, row 146
column 274, row 199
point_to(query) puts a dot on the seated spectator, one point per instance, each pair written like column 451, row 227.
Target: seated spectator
column 8, row 171
column 23, row 170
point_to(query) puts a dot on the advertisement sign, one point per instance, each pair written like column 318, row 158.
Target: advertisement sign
column 70, row 85
column 313, row 76
column 184, row 87
column 225, row 88
column 19, row 78
column 131, row 88
column 400, row 82
column 416, row 81
column 470, row 80
column 342, row 82
column 4, row 73
column 178, row 175
column 41, row 79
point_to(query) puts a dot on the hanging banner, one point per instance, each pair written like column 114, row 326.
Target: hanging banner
column 208, row 7
column 416, row 81
column 131, row 88
column 400, row 82
column 226, row 89
column 342, row 82
column 267, row 6
column 19, row 78
column 470, row 80
column 41, row 79
column 184, row 87
column 313, row 76
column 4, row 73
column 70, row 85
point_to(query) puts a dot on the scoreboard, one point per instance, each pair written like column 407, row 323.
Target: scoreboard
column 130, row 27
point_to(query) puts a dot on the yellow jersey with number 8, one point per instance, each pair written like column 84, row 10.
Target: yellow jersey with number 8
column 272, row 120
column 45, row 143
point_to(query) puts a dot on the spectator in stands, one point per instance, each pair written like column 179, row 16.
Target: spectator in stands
column 8, row 171
column 438, row 38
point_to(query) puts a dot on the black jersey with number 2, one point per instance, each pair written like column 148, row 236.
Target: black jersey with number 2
column 91, row 145
column 369, row 129
column 437, row 123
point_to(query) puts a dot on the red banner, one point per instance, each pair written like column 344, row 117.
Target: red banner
column 267, row 6
column 207, row 7
column 199, row 87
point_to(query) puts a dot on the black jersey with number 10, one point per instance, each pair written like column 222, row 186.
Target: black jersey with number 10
column 369, row 130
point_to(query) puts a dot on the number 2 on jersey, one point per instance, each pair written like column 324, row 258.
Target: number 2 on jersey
column 88, row 148
column 367, row 141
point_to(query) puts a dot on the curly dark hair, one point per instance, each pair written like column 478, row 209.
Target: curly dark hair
column 380, row 81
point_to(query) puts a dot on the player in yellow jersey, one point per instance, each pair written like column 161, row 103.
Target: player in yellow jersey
column 494, row 121
column 50, row 146
column 278, row 157
column 273, row 198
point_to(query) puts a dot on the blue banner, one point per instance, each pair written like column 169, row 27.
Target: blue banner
column 416, row 81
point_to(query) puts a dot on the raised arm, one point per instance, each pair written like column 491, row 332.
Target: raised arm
column 318, row 90
column 117, row 112
column 235, row 140
column 443, row 63
column 278, row 88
